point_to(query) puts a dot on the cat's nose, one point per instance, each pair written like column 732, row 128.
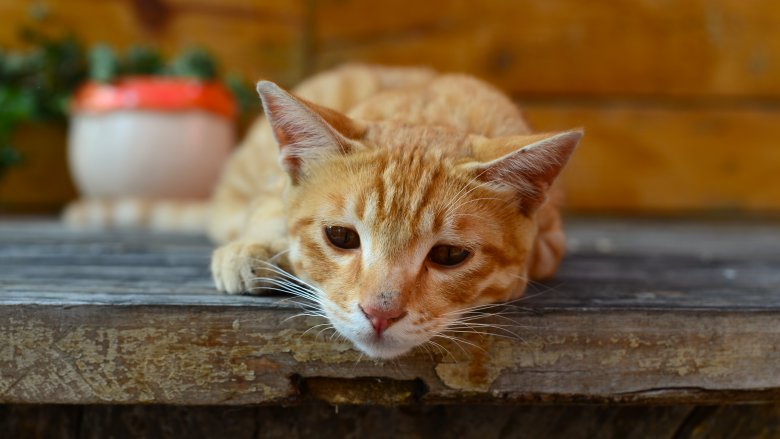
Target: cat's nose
column 382, row 319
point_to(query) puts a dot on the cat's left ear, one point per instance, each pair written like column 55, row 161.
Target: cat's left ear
column 306, row 131
column 527, row 165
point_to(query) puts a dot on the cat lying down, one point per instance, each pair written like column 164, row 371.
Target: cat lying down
column 398, row 198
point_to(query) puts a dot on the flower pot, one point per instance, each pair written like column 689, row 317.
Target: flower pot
column 151, row 137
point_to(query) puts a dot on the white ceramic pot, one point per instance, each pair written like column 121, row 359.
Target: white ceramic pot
column 150, row 138
column 148, row 153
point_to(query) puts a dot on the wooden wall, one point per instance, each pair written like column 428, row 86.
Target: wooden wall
column 679, row 100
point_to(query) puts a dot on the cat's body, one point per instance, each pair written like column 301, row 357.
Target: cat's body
column 418, row 203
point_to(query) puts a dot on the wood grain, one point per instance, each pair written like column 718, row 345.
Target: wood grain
column 644, row 312
column 723, row 48
column 255, row 39
column 662, row 159
column 41, row 181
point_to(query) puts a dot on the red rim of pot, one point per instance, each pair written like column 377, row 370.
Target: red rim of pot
column 154, row 93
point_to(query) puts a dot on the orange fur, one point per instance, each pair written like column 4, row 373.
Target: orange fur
column 408, row 159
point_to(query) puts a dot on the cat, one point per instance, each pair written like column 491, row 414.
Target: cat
column 397, row 198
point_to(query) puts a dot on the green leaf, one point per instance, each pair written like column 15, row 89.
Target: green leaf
column 15, row 104
column 142, row 60
column 194, row 63
column 243, row 93
column 103, row 64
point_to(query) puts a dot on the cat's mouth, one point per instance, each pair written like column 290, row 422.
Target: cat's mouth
column 381, row 346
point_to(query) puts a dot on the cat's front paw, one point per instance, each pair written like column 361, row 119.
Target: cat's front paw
column 234, row 266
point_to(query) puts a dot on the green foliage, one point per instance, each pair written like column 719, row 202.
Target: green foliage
column 244, row 94
column 194, row 63
column 103, row 63
column 42, row 79
column 36, row 85
column 142, row 60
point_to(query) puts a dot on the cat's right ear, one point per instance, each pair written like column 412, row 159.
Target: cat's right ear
column 306, row 131
column 525, row 164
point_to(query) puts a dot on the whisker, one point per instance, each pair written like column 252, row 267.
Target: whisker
column 354, row 366
column 442, row 348
column 484, row 325
column 313, row 327
column 475, row 317
column 323, row 330
column 318, row 316
column 288, row 275
column 304, row 314
column 275, row 286
column 287, row 287
column 506, row 203
column 458, row 340
column 427, row 351
column 308, row 304
column 484, row 333
column 460, row 195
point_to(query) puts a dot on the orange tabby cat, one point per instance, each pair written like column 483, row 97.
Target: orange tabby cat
column 400, row 198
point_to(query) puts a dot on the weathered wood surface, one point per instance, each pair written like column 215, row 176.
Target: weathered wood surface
column 642, row 312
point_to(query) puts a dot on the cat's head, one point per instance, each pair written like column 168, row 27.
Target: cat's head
column 403, row 228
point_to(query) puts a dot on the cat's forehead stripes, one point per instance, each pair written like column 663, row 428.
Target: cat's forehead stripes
column 399, row 198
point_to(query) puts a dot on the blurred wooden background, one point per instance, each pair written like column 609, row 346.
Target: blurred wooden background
column 679, row 100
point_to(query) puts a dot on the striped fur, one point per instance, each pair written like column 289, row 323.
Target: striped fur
column 409, row 159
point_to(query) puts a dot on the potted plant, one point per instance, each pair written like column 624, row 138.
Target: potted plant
column 140, row 128
column 113, row 95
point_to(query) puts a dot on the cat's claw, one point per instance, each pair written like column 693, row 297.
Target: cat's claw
column 234, row 266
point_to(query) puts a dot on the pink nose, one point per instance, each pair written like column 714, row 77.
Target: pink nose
column 382, row 319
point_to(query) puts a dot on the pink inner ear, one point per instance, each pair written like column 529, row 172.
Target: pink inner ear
column 305, row 131
column 532, row 169
column 299, row 130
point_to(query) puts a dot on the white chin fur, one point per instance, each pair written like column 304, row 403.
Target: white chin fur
column 392, row 344
column 382, row 349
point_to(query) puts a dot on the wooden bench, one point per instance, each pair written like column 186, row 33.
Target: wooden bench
column 642, row 312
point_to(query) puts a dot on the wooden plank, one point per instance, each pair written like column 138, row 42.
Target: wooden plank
column 668, row 159
column 244, row 355
column 724, row 48
column 256, row 39
column 611, row 263
column 644, row 312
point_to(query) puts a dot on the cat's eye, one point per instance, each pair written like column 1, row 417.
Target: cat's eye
column 342, row 237
column 448, row 255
